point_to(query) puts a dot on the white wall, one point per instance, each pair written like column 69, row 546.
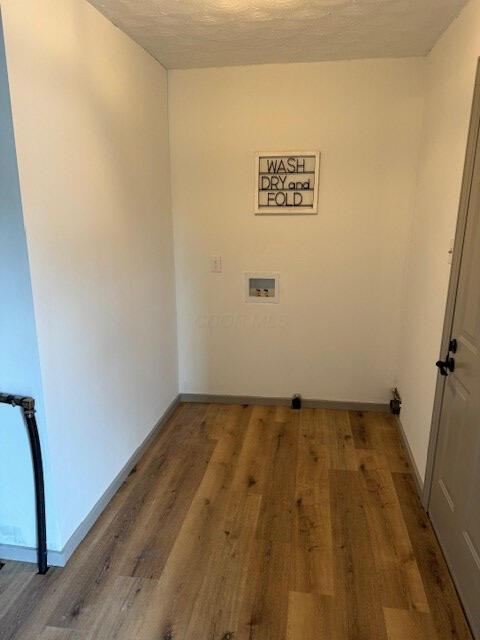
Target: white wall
column 335, row 333
column 19, row 361
column 450, row 79
column 90, row 120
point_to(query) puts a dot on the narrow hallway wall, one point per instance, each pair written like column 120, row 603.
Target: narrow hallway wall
column 19, row 361
column 91, row 126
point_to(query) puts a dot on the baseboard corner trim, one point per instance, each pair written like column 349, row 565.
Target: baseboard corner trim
column 60, row 558
column 283, row 401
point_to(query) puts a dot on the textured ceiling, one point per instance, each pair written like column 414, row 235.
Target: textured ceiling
column 207, row 33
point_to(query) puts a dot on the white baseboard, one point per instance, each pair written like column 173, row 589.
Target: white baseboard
column 29, row 554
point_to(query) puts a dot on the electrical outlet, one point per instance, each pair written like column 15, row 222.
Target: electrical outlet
column 216, row 264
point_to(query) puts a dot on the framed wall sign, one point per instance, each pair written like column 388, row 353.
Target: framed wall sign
column 286, row 182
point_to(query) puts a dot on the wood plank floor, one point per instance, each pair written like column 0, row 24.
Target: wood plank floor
column 251, row 523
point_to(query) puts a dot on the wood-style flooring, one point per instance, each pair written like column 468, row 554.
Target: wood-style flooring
column 251, row 523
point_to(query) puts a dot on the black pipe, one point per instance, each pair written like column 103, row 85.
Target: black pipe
column 27, row 405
